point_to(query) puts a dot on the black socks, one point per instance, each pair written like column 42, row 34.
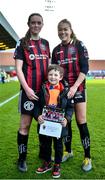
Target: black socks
column 68, row 139
column 22, row 146
column 85, row 138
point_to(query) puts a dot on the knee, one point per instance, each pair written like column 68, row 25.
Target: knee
column 81, row 118
column 24, row 129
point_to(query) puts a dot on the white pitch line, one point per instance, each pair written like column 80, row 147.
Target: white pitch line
column 1, row 104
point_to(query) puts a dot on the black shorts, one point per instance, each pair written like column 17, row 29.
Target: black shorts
column 80, row 96
column 27, row 106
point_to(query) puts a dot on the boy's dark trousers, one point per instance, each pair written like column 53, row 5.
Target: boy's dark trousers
column 46, row 148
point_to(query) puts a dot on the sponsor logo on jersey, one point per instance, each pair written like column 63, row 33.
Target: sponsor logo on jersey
column 38, row 56
column 28, row 105
column 65, row 61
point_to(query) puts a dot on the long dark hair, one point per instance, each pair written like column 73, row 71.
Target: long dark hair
column 73, row 36
column 25, row 40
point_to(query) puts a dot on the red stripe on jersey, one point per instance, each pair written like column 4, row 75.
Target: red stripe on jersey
column 70, row 67
column 67, row 67
column 37, row 63
column 29, row 70
column 62, row 55
column 77, row 63
column 45, row 60
column 80, row 88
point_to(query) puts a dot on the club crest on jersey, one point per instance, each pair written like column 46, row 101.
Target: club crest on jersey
column 72, row 50
column 28, row 105
column 31, row 57
column 43, row 47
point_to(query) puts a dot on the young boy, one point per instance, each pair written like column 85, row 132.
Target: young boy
column 54, row 94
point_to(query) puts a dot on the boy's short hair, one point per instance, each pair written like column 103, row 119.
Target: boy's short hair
column 56, row 67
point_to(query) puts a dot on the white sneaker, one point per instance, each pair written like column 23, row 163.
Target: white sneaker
column 67, row 155
column 87, row 164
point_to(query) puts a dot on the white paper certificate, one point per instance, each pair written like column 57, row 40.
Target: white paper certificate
column 50, row 128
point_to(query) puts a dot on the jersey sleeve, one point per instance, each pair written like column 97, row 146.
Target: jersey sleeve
column 83, row 58
column 53, row 58
column 49, row 51
column 19, row 52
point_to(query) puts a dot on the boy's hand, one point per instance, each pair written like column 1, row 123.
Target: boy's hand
column 64, row 122
column 40, row 119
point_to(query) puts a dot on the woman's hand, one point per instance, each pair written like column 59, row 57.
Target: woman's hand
column 72, row 92
column 74, row 88
column 31, row 94
column 64, row 122
column 40, row 119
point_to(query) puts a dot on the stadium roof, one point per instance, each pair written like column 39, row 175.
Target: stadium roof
column 8, row 36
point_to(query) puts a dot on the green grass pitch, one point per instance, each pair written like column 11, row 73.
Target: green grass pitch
column 71, row 169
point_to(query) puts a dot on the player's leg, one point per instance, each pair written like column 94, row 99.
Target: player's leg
column 26, row 108
column 68, row 152
column 22, row 140
column 80, row 112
